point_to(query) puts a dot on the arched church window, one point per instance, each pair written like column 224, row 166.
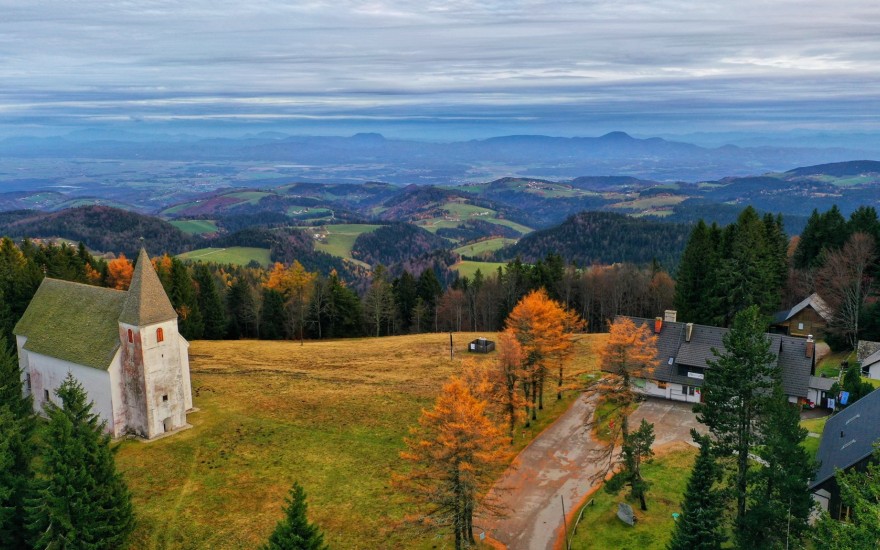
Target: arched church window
column 130, row 336
column 160, row 335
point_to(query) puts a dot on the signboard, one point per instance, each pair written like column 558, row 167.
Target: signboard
column 697, row 375
column 473, row 346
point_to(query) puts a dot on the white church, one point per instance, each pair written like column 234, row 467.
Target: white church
column 122, row 346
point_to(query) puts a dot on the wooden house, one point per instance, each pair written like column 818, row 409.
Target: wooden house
column 810, row 316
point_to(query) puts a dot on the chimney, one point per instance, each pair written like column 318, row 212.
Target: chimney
column 810, row 346
column 658, row 324
column 670, row 315
column 688, row 332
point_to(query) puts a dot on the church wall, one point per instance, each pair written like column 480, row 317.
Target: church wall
column 184, row 367
column 166, row 385
column 131, row 381
column 120, row 414
column 48, row 373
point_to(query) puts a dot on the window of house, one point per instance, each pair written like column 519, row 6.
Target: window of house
column 661, row 385
column 160, row 335
column 687, row 390
column 130, row 336
column 45, row 395
column 27, row 380
column 800, row 326
column 165, row 397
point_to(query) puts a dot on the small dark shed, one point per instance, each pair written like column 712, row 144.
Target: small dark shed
column 481, row 345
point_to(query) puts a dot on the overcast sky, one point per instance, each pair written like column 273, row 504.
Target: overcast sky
column 452, row 68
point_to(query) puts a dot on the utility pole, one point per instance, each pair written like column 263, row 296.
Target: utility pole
column 451, row 348
column 565, row 524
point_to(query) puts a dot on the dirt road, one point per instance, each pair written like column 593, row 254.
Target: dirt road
column 561, row 461
column 558, row 462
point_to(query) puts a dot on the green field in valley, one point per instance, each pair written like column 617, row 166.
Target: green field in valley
column 195, row 227
column 481, row 247
column 239, row 255
column 339, row 238
column 468, row 268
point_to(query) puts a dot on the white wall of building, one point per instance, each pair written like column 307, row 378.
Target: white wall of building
column 46, row 374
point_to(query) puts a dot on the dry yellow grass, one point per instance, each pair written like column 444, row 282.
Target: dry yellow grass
column 329, row 414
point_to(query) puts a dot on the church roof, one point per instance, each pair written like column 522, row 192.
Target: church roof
column 80, row 323
column 73, row 322
column 147, row 302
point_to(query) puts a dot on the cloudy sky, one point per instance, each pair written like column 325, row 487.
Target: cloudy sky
column 443, row 69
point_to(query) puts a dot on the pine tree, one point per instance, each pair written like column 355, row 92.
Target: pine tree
column 294, row 532
column 696, row 276
column 80, row 500
column 860, row 493
column 16, row 448
column 780, row 502
column 272, row 315
column 210, row 303
column 636, row 448
column 735, row 394
column 701, row 523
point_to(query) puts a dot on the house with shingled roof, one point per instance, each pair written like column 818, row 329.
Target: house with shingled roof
column 122, row 346
column 809, row 317
column 684, row 351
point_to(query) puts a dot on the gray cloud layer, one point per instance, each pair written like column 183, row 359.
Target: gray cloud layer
column 698, row 64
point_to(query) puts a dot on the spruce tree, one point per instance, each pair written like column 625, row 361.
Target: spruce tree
column 272, row 315
column 210, row 303
column 16, row 448
column 701, row 523
column 780, row 502
column 79, row 499
column 737, row 387
column 695, row 277
column 183, row 297
column 294, row 532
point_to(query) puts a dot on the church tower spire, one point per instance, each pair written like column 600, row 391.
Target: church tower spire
column 146, row 303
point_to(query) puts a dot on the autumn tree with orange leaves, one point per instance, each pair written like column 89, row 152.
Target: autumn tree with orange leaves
column 119, row 272
column 543, row 328
column 456, row 452
column 296, row 285
column 499, row 383
column 630, row 353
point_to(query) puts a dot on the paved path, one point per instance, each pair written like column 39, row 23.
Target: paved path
column 561, row 461
column 558, row 462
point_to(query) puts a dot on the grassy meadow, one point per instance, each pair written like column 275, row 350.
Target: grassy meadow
column 341, row 237
column 484, row 246
column 330, row 414
column 195, row 227
column 668, row 473
column 467, row 268
column 239, row 255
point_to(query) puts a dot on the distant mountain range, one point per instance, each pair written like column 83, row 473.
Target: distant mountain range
column 371, row 156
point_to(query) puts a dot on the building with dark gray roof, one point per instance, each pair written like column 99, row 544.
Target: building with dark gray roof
column 847, row 442
column 685, row 349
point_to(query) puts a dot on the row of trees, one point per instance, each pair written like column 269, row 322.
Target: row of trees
column 288, row 302
column 461, row 444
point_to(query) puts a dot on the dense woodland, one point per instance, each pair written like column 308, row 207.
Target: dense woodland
column 604, row 238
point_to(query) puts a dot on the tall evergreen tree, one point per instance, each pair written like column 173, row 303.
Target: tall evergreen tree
column 243, row 319
column 735, row 394
column 210, row 303
column 780, row 502
column 696, row 275
column 343, row 309
column 635, row 449
column 429, row 290
column 182, row 293
column 405, row 296
column 860, row 493
column 701, row 523
column 272, row 315
column 16, row 449
column 80, row 500
column 294, row 532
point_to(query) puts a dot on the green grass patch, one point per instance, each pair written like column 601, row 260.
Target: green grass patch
column 339, row 238
column 238, row 255
column 482, row 247
column 195, row 227
column 251, row 197
column 817, row 426
column 468, row 268
column 600, row 528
